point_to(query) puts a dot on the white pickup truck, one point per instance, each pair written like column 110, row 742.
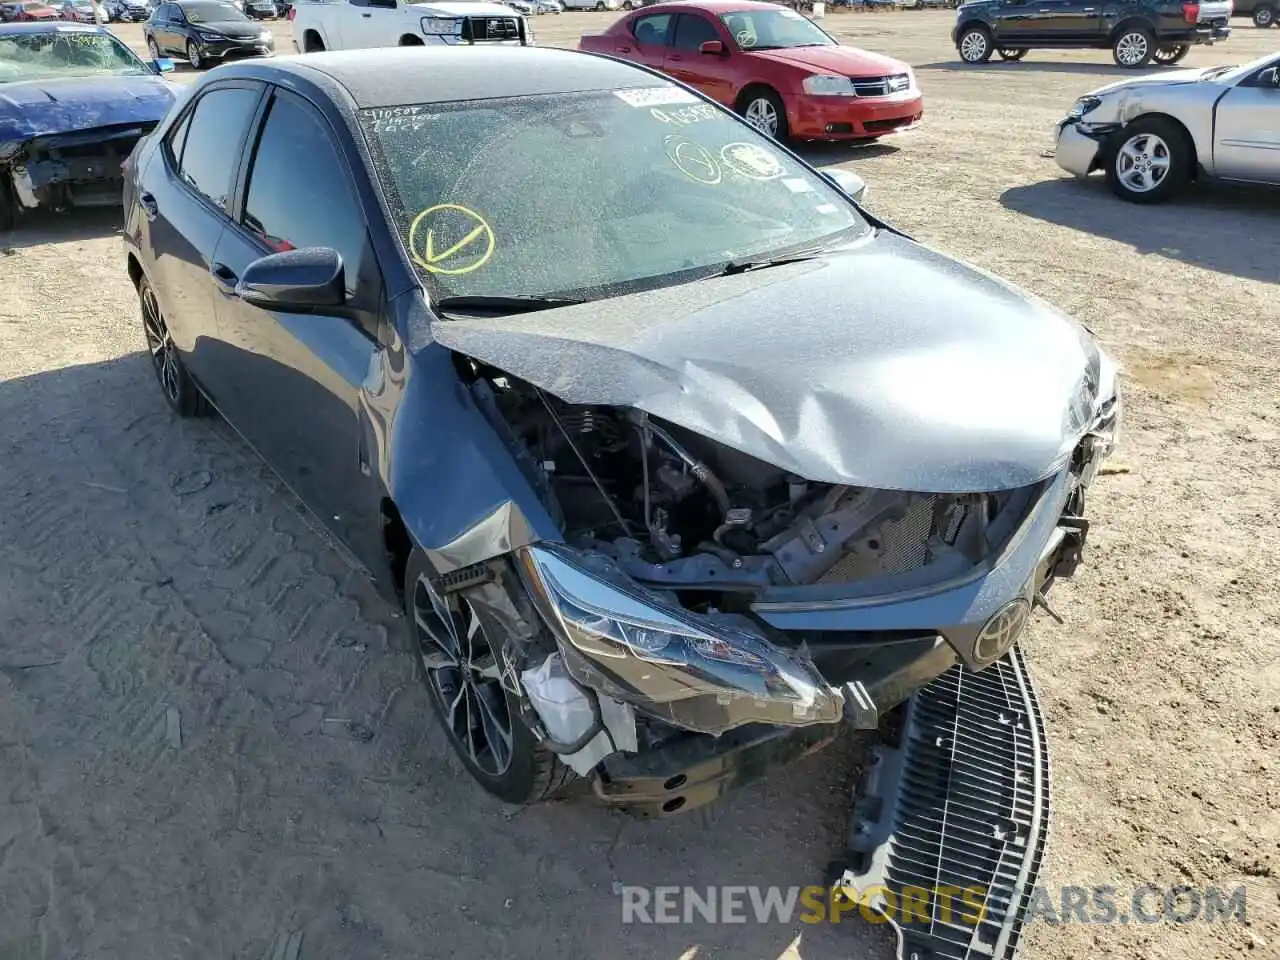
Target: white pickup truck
column 353, row 24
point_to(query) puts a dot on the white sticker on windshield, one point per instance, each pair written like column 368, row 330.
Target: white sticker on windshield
column 827, row 208
column 790, row 14
column 654, row 96
column 796, row 185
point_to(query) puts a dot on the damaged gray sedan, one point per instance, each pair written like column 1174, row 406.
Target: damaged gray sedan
column 679, row 461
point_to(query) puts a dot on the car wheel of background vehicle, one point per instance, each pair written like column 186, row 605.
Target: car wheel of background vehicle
column 1168, row 56
column 1149, row 161
column 763, row 109
column 1263, row 17
column 311, row 43
column 479, row 716
column 193, row 56
column 626, row 5
column 179, row 390
column 975, row 45
column 1007, row 54
column 1133, row 47
column 8, row 206
column 152, row 49
column 600, row 6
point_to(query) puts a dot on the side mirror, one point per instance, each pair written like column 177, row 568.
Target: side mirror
column 1269, row 77
column 162, row 65
column 847, row 182
column 295, row 281
column 714, row 48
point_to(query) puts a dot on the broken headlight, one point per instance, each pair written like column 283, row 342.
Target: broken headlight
column 703, row 674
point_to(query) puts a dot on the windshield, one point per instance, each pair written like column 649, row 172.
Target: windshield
column 212, row 13
column 774, row 30
column 592, row 194
column 48, row 56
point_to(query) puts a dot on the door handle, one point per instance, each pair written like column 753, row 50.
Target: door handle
column 1090, row 10
column 149, row 206
column 624, row 49
column 224, row 278
column 366, row 16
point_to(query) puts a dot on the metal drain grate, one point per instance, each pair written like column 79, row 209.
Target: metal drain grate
column 961, row 802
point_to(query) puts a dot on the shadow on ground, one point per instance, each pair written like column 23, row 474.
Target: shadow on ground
column 43, row 227
column 212, row 735
column 996, row 65
column 833, row 154
column 1207, row 226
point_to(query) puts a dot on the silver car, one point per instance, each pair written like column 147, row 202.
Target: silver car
column 1151, row 135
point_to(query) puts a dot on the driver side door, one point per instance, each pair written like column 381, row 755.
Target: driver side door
column 1246, row 129
column 369, row 23
column 710, row 73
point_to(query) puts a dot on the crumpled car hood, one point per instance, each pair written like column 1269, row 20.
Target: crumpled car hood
column 41, row 107
column 882, row 365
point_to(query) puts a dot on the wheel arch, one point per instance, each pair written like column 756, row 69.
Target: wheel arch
column 1128, row 23
column 411, row 40
column 970, row 24
column 134, row 266
column 309, row 34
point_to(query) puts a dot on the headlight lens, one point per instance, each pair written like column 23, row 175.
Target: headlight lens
column 701, row 674
column 208, row 36
column 441, row 26
column 1083, row 106
column 824, row 85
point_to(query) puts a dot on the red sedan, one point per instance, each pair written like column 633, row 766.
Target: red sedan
column 774, row 66
column 28, row 12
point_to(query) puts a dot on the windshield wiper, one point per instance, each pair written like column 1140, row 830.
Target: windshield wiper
column 500, row 306
column 763, row 263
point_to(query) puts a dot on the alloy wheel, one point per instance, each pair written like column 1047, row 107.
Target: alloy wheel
column 1142, row 162
column 153, row 49
column 973, row 46
column 164, row 355
column 1263, row 17
column 193, row 56
column 463, row 675
column 762, row 115
column 1131, row 49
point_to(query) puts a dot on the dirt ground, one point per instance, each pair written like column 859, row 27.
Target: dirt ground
column 209, row 746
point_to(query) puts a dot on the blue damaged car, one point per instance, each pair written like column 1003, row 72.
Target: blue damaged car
column 74, row 101
column 680, row 461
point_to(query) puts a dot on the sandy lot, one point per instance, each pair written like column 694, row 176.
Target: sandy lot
column 211, row 747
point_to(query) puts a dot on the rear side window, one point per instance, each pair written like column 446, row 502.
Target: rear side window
column 652, row 29
column 300, row 193
column 211, row 150
column 692, row 31
column 177, row 138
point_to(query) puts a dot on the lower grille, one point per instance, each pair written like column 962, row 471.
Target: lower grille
column 961, row 803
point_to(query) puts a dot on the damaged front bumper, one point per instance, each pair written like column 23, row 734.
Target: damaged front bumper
column 64, row 170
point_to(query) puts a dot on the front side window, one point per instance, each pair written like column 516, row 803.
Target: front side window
column 778, row 29
column 211, row 152
column 69, row 53
column 299, row 192
column 693, row 31
column 592, row 194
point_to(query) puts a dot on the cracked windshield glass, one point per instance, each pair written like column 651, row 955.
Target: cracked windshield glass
column 594, row 194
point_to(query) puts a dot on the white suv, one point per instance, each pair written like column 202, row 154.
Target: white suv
column 353, row 24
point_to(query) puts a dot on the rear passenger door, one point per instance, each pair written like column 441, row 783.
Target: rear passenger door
column 297, row 378
column 652, row 35
column 185, row 196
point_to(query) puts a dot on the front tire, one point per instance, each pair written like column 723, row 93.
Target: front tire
column 193, row 56
column 180, row 391
column 1008, row 54
column 1149, row 161
column 974, row 45
column 763, row 109
column 1133, row 47
column 153, row 49
column 1168, row 56
column 479, row 716
column 1264, row 17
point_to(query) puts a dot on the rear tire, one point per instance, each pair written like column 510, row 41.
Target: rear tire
column 1168, row 56
column 974, row 45
column 312, row 43
column 1133, row 47
column 1264, row 17
column 524, row 772
column 1007, row 54
column 179, row 390
column 1149, row 161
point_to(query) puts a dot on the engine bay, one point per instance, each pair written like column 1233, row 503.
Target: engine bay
column 680, row 512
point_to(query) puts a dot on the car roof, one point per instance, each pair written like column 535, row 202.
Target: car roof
column 49, row 26
column 714, row 6
column 395, row 76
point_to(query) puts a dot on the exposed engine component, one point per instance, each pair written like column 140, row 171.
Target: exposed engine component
column 677, row 510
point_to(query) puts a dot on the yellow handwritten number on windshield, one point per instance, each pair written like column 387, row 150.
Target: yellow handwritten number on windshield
column 458, row 240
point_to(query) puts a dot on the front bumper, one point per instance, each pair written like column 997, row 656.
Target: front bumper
column 1205, row 34
column 1078, row 146
column 854, row 118
column 235, row 49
